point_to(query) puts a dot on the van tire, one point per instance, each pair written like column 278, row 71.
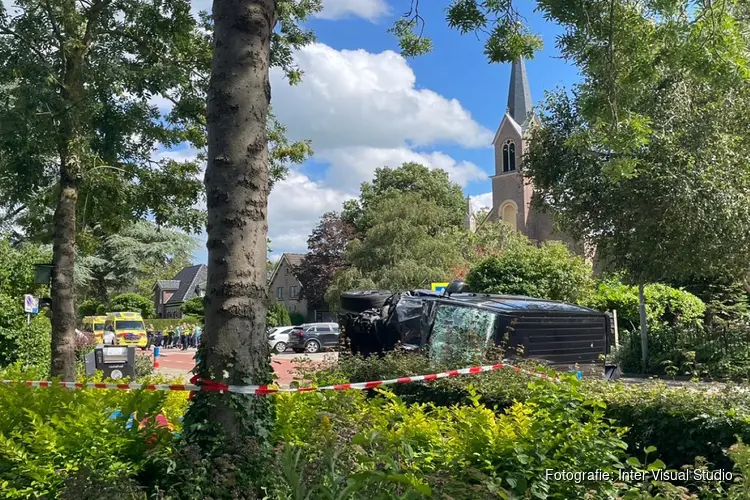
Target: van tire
column 361, row 300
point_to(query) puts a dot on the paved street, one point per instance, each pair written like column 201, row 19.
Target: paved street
column 178, row 363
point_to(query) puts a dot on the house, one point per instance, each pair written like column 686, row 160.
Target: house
column 285, row 287
column 169, row 295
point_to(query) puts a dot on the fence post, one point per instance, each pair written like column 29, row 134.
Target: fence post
column 157, row 352
column 617, row 330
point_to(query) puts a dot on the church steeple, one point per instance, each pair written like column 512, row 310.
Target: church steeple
column 519, row 93
column 470, row 220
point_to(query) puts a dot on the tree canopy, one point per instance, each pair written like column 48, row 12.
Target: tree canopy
column 433, row 185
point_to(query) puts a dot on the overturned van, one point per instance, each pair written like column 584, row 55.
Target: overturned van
column 457, row 323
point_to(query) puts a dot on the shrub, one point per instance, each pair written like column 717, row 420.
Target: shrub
column 664, row 305
column 547, row 272
column 89, row 307
column 382, row 444
column 681, row 423
column 19, row 342
column 47, row 434
column 296, row 318
column 277, row 315
column 132, row 302
column 194, row 307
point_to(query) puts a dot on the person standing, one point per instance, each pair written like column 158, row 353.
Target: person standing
column 183, row 336
column 197, row 335
column 177, row 335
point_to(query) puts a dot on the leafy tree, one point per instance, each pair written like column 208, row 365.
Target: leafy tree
column 133, row 259
column 326, row 246
column 194, row 307
column 76, row 127
column 133, row 302
column 433, row 185
column 547, row 272
column 412, row 244
column 296, row 318
column 278, row 315
column 648, row 158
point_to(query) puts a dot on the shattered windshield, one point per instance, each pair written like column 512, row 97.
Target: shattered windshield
column 460, row 334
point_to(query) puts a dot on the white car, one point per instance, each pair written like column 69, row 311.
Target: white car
column 278, row 338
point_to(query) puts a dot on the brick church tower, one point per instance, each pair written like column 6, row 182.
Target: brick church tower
column 511, row 191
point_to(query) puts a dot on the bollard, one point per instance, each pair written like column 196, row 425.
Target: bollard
column 157, row 352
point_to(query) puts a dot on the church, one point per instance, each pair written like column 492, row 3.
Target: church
column 511, row 191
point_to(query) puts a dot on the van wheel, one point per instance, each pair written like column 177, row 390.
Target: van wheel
column 362, row 300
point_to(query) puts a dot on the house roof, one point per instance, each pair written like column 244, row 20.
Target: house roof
column 188, row 279
column 167, row 284
column 292, row 259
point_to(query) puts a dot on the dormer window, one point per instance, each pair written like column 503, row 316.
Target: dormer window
column 509, row 156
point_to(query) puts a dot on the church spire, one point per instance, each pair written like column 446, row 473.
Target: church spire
column 519, row 93
column 470, row 220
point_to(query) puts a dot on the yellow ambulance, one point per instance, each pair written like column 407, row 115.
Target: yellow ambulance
column 128, row 327
column 95, row 326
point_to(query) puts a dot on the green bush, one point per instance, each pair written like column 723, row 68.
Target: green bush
column 89, row 307
column 19, row 342
column 551, row 271
column 132, row 302
column 681, row 423
column 194, row 307
column 278, row 315
column 664, row 305
column 48, row 434
column 382, row 445
column 296, row 318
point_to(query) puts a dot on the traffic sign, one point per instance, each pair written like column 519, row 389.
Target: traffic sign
column 439, row 287
column 30, row 304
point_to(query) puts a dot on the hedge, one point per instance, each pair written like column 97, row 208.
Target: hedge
column 681, row 423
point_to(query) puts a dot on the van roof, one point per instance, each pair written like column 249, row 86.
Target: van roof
column 124, row 315
column 518, row 304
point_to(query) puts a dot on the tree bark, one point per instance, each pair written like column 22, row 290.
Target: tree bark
column 70, row 143
column 236, row 345
column 644, row 327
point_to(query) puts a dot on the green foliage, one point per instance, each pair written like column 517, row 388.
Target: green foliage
column 682, row 423
column 551, row 271
column 467, row 451
column 89, row 307
column 278, row 315
column 132, row 302
column 48, row 434
column 194, row 307
column 133, row 259
column 410, row 178
column 296, row 318
column 28, row 345
column 665, row 306
column 648, row 157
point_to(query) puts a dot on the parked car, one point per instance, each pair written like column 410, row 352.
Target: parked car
column 278, row 338
column 312, row 337
column 456, row 324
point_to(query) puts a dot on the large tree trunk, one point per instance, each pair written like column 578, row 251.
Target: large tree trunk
column 63, row 260
column 236, row 345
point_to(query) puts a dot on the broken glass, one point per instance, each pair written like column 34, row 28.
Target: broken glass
column 460, row 335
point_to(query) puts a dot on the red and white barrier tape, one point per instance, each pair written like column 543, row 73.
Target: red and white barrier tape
column 211, row 386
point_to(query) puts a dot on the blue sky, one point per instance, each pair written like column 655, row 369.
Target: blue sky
column 364, row 107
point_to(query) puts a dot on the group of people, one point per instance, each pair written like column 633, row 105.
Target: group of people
column 180, row 337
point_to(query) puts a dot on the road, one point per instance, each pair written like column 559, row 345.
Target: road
column 176, row 363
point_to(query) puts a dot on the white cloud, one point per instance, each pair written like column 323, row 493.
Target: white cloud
column 355, row 98
column 366, row 9
column 294, row 207
column 351, row 166
column 480, row 201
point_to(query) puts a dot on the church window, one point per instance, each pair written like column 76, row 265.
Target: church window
column 509, row 156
